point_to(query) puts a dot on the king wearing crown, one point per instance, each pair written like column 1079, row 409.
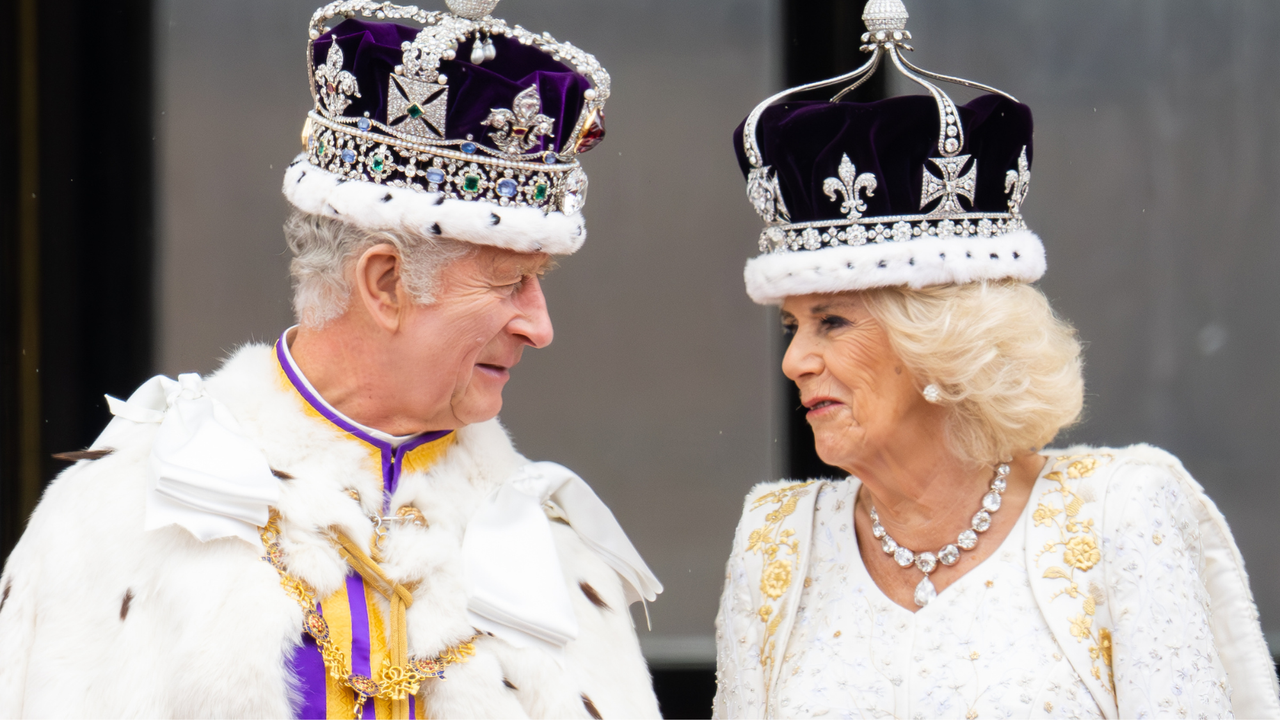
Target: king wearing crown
column 332, row 525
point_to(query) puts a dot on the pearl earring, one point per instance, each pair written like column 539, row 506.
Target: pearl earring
column 932, row 393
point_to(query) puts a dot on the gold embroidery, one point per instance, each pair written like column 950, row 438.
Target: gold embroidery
column 1081, row 551
column 780, row 550
column 1155, row 538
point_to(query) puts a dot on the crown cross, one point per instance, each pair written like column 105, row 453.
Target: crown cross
column 519, row 129
column 335, row 84
column 950, row 186
column 417, row 107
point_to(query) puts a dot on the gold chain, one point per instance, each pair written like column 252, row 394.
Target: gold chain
column 393, row 682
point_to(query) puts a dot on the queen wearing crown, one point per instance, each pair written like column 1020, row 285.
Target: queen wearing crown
column 332, row 525
column 964, row 569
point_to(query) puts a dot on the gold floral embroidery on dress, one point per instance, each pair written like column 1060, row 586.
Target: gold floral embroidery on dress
column 780, row 551
column 1081, row 549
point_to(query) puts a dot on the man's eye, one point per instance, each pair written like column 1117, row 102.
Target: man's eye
column 789, row 329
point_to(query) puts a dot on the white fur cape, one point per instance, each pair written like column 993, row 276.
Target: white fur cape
column 102, row 619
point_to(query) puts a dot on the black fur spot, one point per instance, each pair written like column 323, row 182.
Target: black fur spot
column 882, row 264
column 435, row 228
column 494, row 219
column 341, row 180
column 124, row 606
column 1016, row 256
column 302, row 175
column 4, row 597
column 281, row 474
column 591, row 707
column 295, row 162
column 593, row 596
column 387, row 198
column 78, row 455
column 440, row 200
column 942, row 255
column 995, row 256
column 912, row 262
column 508, row 684
column 968, row 254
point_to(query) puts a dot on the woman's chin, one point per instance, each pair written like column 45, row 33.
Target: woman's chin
column 834, row 451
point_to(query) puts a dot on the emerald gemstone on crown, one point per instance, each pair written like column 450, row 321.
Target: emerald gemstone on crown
column 540, row 192
column 415, row 112
column 471, row 183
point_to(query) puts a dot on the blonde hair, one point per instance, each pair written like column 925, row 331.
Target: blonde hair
column 324, row 250
column 1006, row 365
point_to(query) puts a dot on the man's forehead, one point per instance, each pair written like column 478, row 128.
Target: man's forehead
column 502, row 261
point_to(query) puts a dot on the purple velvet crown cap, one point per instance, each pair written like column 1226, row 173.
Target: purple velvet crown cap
column 372, row 50
column 462, row 126
column 804, row 143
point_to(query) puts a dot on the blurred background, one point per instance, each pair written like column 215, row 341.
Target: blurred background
column 142, row 145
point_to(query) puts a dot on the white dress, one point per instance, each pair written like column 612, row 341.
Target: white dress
column 1095, row 605
column 981, row 649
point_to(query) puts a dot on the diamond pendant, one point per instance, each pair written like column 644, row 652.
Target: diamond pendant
column 925, row 592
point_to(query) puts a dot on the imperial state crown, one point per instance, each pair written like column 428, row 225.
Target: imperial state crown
column 911, row 190
column 465, row 126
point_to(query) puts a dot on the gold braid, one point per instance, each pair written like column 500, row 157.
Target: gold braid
column 394, row 682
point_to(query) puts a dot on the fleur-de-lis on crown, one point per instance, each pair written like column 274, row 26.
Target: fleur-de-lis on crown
column 520, row 128
column 849, row 184
column 950, row 186
column 1017, row 183
column 335, row 83
column 766, row 196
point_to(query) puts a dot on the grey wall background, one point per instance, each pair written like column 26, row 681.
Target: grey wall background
column 1154, row 188
column 658, row 387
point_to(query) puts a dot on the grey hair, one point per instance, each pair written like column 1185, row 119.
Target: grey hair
column 325, row 250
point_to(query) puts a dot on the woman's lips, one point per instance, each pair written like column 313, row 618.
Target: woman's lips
column 821, row 406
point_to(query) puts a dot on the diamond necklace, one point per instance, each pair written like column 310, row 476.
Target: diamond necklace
column 927, row 562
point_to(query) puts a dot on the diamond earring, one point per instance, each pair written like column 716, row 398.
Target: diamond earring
column 932, row 393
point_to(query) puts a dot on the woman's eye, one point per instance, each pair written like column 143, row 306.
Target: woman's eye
column 788, row 329
column 831, row 322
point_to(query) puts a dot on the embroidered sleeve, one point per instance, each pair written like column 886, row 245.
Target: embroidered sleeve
column 1163, row 650
column 738, row 674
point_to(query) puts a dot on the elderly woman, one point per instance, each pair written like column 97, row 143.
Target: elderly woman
column 962, row 570
column 329, row 526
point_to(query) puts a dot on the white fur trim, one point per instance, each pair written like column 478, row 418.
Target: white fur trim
column 209, row 630
column 523, row 229
column 916, row 263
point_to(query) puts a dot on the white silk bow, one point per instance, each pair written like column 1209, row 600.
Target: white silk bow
column 513, row 574
column 205, row 475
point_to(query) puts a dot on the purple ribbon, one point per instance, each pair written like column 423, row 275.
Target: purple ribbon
column 392, row 457
column 307, row 663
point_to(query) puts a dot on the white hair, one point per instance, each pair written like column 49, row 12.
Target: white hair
column 325, row 251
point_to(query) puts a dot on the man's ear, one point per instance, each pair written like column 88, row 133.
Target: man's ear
column 378, row 287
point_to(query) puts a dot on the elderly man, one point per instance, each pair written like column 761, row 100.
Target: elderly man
column 330, row 526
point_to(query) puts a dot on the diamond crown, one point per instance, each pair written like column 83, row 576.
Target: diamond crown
column 410, row 148
column 946, row 178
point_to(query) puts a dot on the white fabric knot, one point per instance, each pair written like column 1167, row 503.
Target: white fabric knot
column 205, row 475
column 515, row 585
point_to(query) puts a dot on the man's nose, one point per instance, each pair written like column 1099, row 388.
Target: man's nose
column 533, row 324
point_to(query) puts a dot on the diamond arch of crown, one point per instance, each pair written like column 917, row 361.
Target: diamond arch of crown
column 886, row 22
column 456, row 29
